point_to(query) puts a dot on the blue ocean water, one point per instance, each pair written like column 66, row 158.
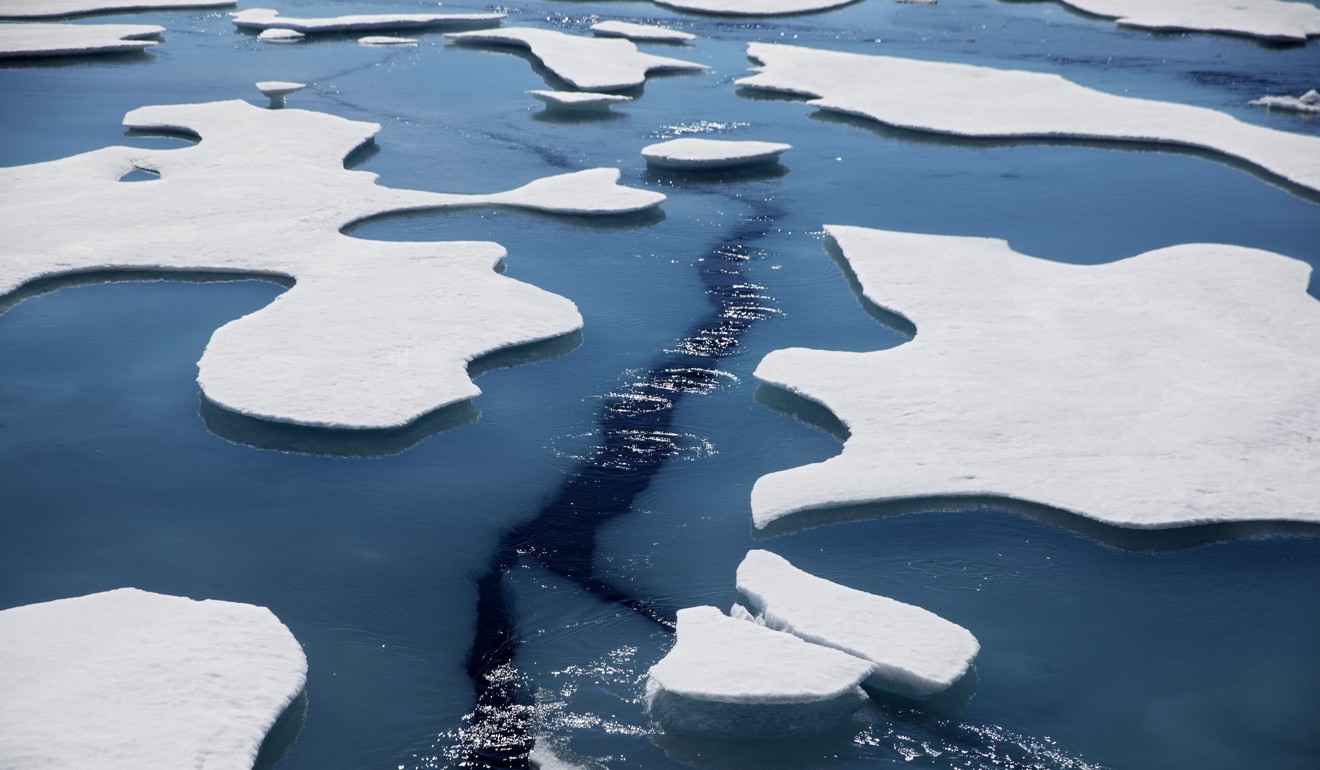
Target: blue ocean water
column 1098, row 650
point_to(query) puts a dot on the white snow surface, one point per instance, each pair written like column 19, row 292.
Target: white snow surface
column 373, row 335
column 698, row 153
column 967, row 100
column 586, row 63
column 277, row 88
column 1275, row 20
column 578, row 100
column 386, row 40
column 915, row 651
column 267, row 18
column 38, row 9
column 127, row 679
column 754, row 7
column 1307, row 103
column 1176, row 387
column 641, row 32
column 46, row 39
column 281, row 35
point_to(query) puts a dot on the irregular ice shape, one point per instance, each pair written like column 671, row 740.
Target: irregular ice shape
column 130, row 679
column 39, row 9
column 19, row 41
column 586, row 63
column 966, row 100
column 754, row 7
column 1307, row 103
column 579, row 101
column 385, row 40
column 641, row 32
column 1268, row 19
column 374, row 334
column 1177, row 387
column 695, row 153
column 915, row 651
column 267, row 18
column 281, row 35
column 727, row 677
column 276, row 90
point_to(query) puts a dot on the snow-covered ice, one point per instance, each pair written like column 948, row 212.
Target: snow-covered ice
column 967, row 100
column 43, row 39
column 586, row 63
column 1177, row 387
column 386, row 40
column 697, row 153
column 915, row 651
column 578, row 101
column 641, row 32
column 276, row 90
column 127, row 679
column 267, row 18
column 373, row 335
column 276, row 35
column 726, row 677
column 754, row 7
column 1307, row 103
column 1276, row 20
column 39, row 9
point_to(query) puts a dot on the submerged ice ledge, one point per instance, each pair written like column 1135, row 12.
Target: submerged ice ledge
column 1274, row 20
column 373, row 334
column 1173, row 388
column 127, row 679
column 41, row 39
column 973, row 101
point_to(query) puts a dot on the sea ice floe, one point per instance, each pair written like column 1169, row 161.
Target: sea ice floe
column 128, row 679
column 729, row 678
column 586, row 63
column 267, row 18
column 385, row 40
column 1307, row 103
column 578, row 101
column 1174, row 388
column 276, row 90
column 39, row 9
column 641, row 32
column 697, row 153
column 754, row 7
column 373, row 335
column 1275, row 20
column 41, row 39
column 967, row 100
column 915, row 652
column 276, row 35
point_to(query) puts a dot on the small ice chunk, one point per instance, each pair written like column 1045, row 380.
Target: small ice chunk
column 1310, row 97
column 19, row 41
column 641, row 32
column 915, row 652
column 578, row 101
column 276, row 90
column 267, row 18
column 278, row 35
column 386, row 40
column 727, row 677
column 695, row 153
column 127, row 679
column 1307, row 103
column 754, row 7
column 39, row 9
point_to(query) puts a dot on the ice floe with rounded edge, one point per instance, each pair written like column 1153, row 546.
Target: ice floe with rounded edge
column 19, row 41
column 641, row 32
column 373, row 334
column 1174, row 388
column 697, row 153
column 578, row 101
column 586, row 63
column 1307, row 103
column 729, row 678
column 967, row 100
column 276, row 35
column 1273, row 20
column 915, row 652
column 268, row 18
column 45, row 9
column 754, row 7
column 276, row 90
column 386, row 40
column 128, row 679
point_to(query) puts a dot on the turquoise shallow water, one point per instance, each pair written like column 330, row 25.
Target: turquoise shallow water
column 1097, row 650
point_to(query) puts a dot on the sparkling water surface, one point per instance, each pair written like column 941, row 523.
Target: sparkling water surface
column 1099, row 648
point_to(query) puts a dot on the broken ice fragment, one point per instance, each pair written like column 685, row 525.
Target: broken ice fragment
column 277, row 35
column 267, row 18
column 578, row 101
column 276, row 90
column 695, row 153
column 1307, row 103
column 386, row 40
column 754, row 7
column 641, row 32
column 37, row 9
column 18, row 41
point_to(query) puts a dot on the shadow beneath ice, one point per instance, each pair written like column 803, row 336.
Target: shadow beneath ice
column 283, row 734
column 940, row 706
column 751, row 172
column 99, row 60
column 570, row 117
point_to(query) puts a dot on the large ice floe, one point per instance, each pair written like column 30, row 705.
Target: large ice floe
column 1274, row 20
column 754, row 7
column 915, row 652
column 41, row 39
column 698, row 153
column 267, row 18
column 972, row 101
column 1177, row 387
column 586, row 63
column 127, row 679
column 373, row 334
column 728, row 677
column 46, row 9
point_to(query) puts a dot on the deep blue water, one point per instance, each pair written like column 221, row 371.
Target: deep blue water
column 1117, row 652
